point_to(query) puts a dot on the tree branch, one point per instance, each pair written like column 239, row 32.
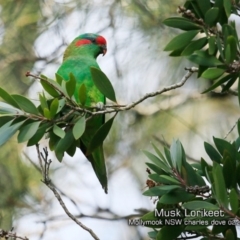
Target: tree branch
column 118, row 108
column 10, row 234
column 152, row 94
column 43, row 158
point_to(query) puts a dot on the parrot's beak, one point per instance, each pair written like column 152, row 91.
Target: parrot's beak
column 104, row 49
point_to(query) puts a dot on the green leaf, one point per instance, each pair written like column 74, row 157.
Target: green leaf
column 230, row 82
column 212, row 45
column 234, row 33
column 25, row 104
column 217, row 229
column 229, row 170
column 228, row 54
column 79, row 127
column 27, row 131
column 71, row 85
column 155, row 168
column 176, row 196
column 219, row 185
column 222, row 146
column 194, row 205
column 53, row 140
column 103, row 84
column 204, row 5
column 155, row 177
column 7, row 109
column 168, row 156
column 46, row 113
column 233, row 198
column 159, row 153
column 194, row 8
column 238, row 174
column 239, row 99
column 152, row 234
column 194, row 46
column 5, row 119
column 58, row 78
column 168, row 188
column 218, row 3
column 201, row 69
column 176, row 154
column 82, row 94
column 165, row 179
column 212, row 152
column 61, row 104
column 72, row 149
column 219, row 46
column 227, row 7
column 204, row 59
column 160, row 190
column 157, row 161
column 227, row 30
column 150, row 216
column 63, row 145
column 181, row 40
column 238, row 126
column 38, row 135
column 63, row 87
column 8, row 130
column 229, row 235
column 218, row 83
column 231, row 49
column 100, row 135
column 169, row 232
column 8, row 98
column 177, row 53
column 58, row 131
column 43, row 101
column 192, row 177
column 54, row 108
column 48, row 86
column 213, row 73
column 181, row 23
column 211, row 16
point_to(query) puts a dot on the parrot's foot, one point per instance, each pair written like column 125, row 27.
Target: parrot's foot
column 100, row 106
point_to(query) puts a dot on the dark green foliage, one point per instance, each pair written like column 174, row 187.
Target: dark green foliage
column 173, row 182
column 100, row 135
column 59, row 116
column 103, row 84
column 178, row 186
column 218, row 62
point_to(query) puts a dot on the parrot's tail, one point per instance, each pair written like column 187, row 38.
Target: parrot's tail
column 98, row 163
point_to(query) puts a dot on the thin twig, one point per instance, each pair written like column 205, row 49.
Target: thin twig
column 47, row 181
column 59, row 190
column 10, row 234
column 118, row 108
column 232, row 128
column 113, row 218
column 152, row 94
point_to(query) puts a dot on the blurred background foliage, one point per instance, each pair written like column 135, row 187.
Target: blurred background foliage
column 33, row 36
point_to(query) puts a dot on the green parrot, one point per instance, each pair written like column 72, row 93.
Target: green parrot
column 78, row 58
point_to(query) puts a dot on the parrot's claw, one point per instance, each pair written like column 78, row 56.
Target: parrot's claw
column 100, row 106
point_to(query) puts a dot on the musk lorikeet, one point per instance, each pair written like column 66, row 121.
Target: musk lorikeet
column 78, row 58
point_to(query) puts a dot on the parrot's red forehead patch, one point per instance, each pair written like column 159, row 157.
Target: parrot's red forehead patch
column 82, row 42
column 101, row 40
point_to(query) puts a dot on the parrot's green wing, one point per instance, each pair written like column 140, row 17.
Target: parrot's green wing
column 79, row 57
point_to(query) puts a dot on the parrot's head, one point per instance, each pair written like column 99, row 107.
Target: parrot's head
column 88, row 43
